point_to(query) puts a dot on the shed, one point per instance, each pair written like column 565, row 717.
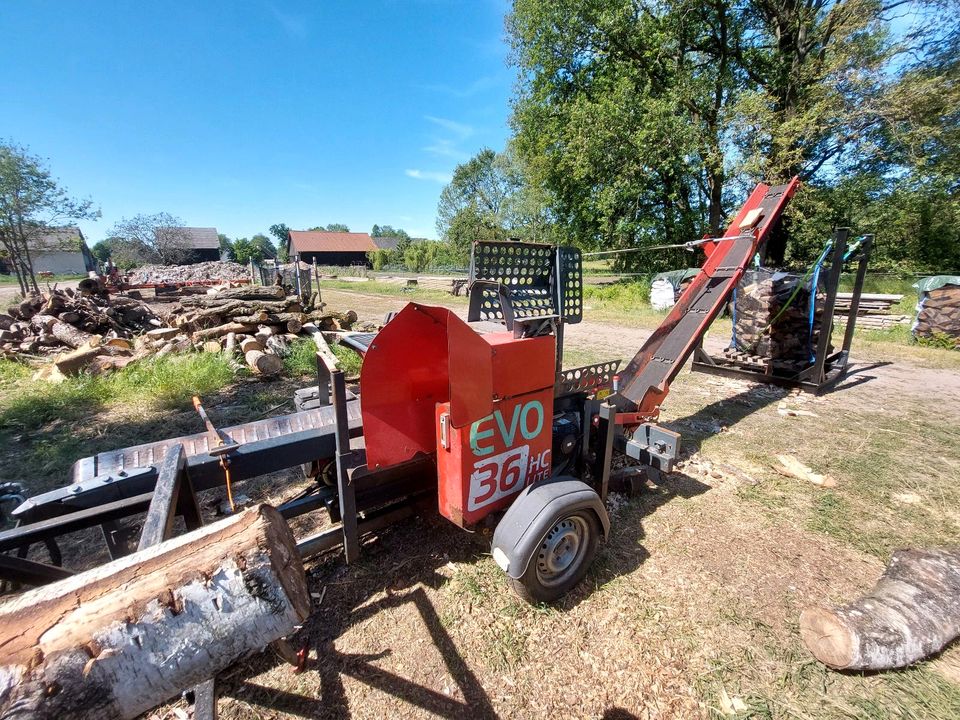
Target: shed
column 62, row 251
column 203, row 243
column 330, row 248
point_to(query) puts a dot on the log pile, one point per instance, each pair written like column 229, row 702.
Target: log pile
column 84, row 332
column 766, row 326
column 939, row 315
column 78, row 329
column 259, row 322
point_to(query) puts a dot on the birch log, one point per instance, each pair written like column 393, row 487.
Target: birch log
column 263, row 364
column 118, row 640
column 912, row 612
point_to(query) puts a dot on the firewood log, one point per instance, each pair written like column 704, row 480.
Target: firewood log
column 250, row 343
column 212, row 346
column 278, row 345
column 263, row 364
column 67, row 334
column 230, row 344
column 221, row 330
column 164, row 333
column 912, row 612
column 120, row 639
column 76, row 360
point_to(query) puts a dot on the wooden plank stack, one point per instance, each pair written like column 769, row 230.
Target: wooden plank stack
column 939, row 315
column 764, row 329
column 873, row 312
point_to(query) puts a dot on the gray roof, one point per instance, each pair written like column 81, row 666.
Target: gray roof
column 65, row 239
column 385, row 243
column 200, row 238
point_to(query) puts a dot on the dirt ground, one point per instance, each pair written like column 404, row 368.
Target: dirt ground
column 691, row 608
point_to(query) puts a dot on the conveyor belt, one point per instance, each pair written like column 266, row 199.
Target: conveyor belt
column 646, row 380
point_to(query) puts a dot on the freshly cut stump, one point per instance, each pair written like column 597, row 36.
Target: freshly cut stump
column 122, row 638
column 263, row 364
column 912, row 612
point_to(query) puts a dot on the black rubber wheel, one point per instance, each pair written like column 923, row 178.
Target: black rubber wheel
column 561, row 559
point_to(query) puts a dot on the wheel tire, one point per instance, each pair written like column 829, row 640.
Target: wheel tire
column 561, row 559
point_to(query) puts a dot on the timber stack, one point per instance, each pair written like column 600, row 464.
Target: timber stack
column 874, row 311
column 78, row 329
column 938, row 315
column 772, row 319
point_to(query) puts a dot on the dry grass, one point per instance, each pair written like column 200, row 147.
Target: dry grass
column 691, row 608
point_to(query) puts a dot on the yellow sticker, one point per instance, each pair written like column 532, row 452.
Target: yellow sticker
column 601, row 394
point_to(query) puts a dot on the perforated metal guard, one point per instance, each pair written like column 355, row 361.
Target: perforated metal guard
column 571, row 284
column 526, row 271
column 587, row 378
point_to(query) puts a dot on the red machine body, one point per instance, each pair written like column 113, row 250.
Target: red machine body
column 481, row 403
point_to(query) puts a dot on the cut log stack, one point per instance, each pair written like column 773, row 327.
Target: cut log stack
column 78, row 329
column 874, row 311
column 260, row 322
column 767, row 329
column 939, row 315
column 84, row 332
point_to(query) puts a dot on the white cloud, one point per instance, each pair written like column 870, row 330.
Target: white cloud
column 440, row 177
column 462, row 130
column 464, row 91
column 447, row 149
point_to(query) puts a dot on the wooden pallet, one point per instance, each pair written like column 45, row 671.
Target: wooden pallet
column 761, row 364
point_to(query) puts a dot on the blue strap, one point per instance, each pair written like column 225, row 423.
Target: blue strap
column 813, row 296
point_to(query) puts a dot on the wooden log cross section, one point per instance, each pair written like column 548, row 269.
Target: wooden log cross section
column 913, row 611
column 122, row 638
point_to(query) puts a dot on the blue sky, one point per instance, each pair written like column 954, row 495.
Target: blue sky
column 243, row 114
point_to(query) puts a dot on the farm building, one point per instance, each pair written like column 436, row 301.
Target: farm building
column 62, row 251
column 203, row 243
column 330, row 248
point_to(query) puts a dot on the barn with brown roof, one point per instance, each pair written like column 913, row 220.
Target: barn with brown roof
column 330, row 248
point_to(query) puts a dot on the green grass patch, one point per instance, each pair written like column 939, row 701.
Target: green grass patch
column 164, row 383
column 381, row 288
column 302, row 360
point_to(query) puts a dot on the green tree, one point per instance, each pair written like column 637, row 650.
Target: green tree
column 281, row 233
column 103, row 249
column 262, row 248
column 226, row 247
column 331, row 227
column 31, row 202
column 643, row 123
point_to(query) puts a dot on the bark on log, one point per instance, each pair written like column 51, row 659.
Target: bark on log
column 163, row 333
column 230, row 344
column 329, row 359
column 222, row 330
column 263, row 364
column 913, row 611
column 118, row 640
column 278, row 345
column 67, row 334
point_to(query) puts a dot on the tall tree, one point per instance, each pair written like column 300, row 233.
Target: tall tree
column 160, row 238
column 488, row 199
column 31, row 202
column 281, row 232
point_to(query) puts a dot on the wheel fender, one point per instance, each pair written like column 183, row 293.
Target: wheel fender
column 536, row 510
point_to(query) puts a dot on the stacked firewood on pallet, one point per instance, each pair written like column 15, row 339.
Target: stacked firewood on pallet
column 938, row 312
column 873, row 311
column 258, row 322
column 768, row 332
column 78, row 329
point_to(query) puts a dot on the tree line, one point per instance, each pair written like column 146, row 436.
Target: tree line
column 642, row 123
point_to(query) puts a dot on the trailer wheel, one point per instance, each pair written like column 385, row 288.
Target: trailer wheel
column 561, row 559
